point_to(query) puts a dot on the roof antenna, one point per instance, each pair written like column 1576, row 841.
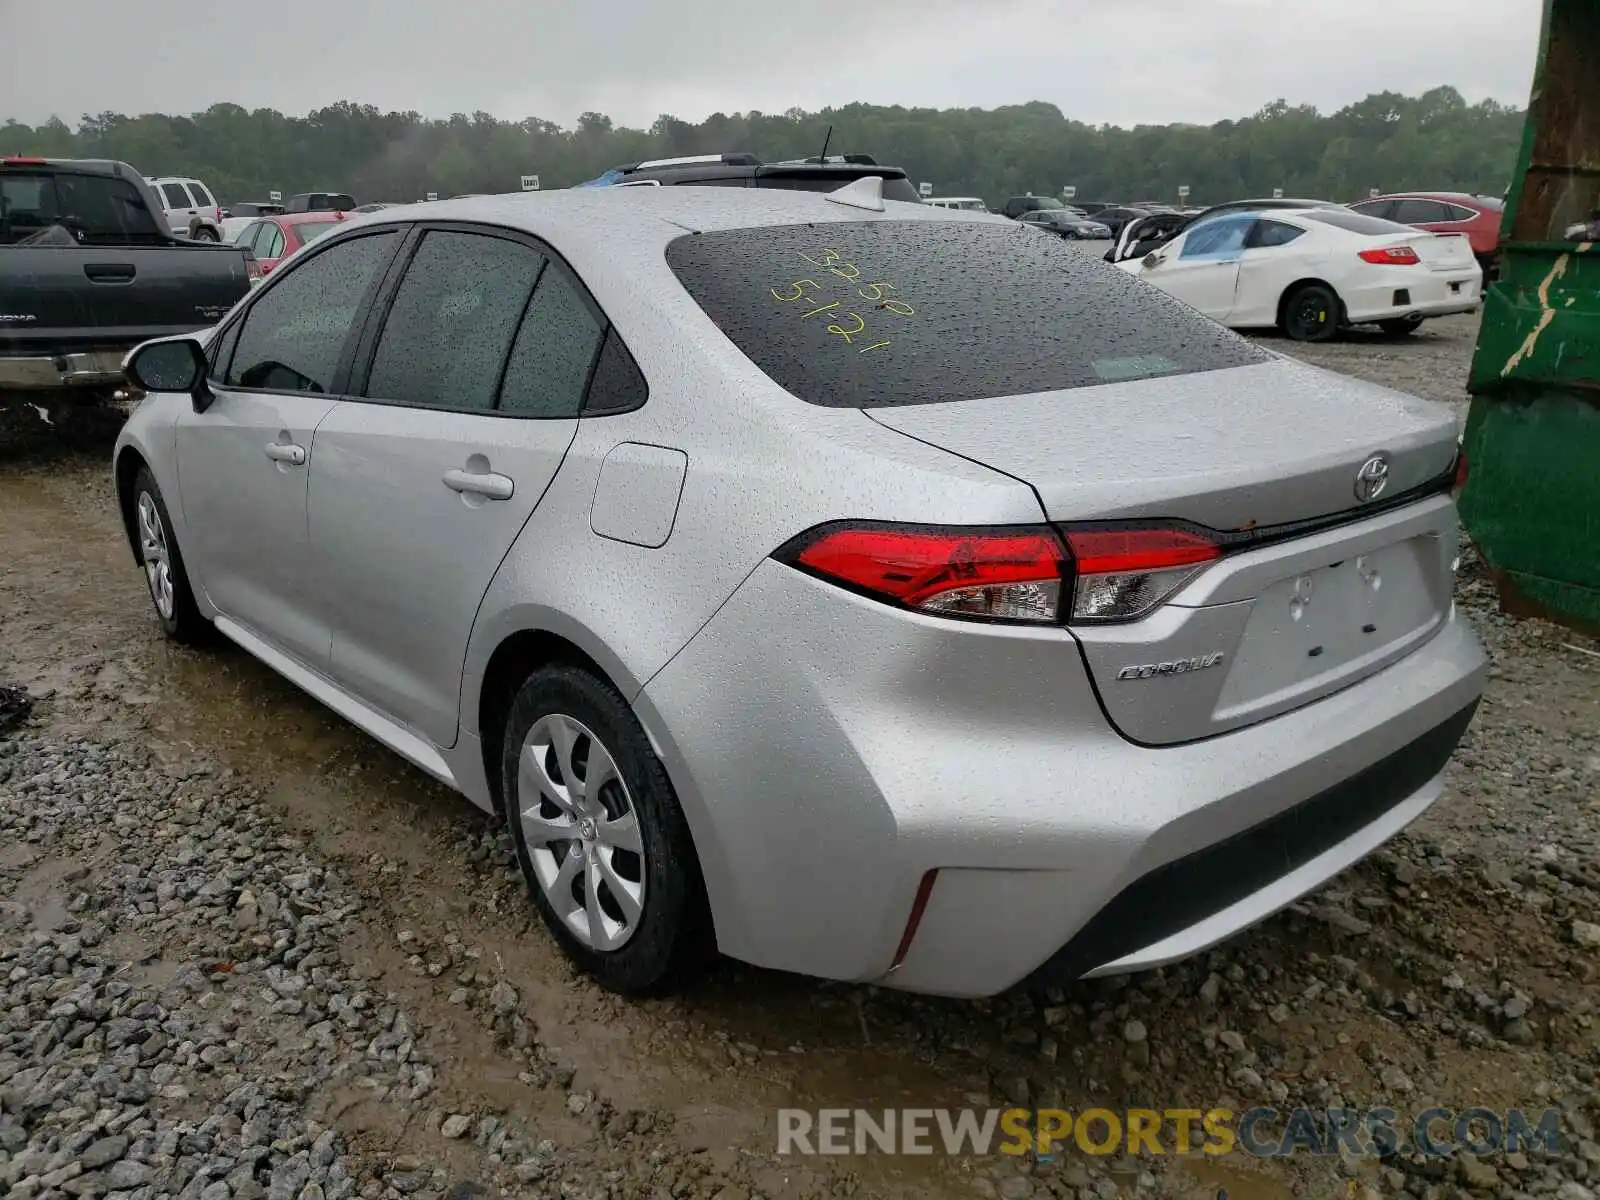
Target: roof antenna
column 824, row 156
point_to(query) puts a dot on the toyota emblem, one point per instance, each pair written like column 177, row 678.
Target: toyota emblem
column 1372, row 478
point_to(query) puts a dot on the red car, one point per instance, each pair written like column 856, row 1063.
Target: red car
column 1444, row 212
column 273, row 239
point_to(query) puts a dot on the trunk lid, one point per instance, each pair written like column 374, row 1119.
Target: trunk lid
column 1269, row 627
column 1266, row 444
column 1444, row 251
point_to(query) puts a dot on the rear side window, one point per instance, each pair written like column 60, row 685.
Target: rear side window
column 452, row 321
column 549, row 365
column 1354, row 222
column 1419, row 212
column 175, row 196
column 1267, row 233
column 202, row 198
column 100, row 210
column 618, row 384
column 882, row 313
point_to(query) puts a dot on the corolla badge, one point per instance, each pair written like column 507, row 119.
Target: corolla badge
column 1372, row 478
column 1178, row 666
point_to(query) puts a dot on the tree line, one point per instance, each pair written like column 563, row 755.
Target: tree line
column 1434, row 141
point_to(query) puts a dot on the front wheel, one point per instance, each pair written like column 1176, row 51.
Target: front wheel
column 164, row 573
column 1401, row 326
column 602, row 843
column 1311, row 314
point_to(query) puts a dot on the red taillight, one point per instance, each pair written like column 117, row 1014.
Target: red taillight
column 1459, row 480
column 986, row 574
column 1391, row 256
column 22, row 160
column 919, row 905
column 1012, row 574
column 1123, row 573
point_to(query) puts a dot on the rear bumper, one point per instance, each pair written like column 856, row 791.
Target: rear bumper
column 830, row 751
column 1409, row 291
column 1184, row 906
column 92, row 368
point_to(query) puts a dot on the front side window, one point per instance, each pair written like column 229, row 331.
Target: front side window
column 295, row 332
column 1374, row 208
column 445, row 340
column 868, row 314
column 1221, row 237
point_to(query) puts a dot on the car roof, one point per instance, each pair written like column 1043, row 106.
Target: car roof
column 1454, row 197
column 303, row 218
column 583, row 223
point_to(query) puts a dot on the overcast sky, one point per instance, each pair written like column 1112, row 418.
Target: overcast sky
column 1117, row 61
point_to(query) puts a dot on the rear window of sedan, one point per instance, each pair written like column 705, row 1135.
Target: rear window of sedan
column 1355, row 222
column 310, row 231
column 884, row 313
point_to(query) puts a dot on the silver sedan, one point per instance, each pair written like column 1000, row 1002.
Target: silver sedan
column 857, row 588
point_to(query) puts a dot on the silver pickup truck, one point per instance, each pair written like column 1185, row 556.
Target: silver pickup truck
column 88, row 271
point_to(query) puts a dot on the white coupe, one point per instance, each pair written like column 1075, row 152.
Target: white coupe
column 1310, row 272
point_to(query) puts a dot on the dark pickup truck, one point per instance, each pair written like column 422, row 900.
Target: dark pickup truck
column 88, row 270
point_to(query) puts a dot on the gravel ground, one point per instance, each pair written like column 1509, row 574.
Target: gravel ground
column 246, row 952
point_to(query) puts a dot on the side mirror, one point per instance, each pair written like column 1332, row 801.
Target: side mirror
column 1153, row 260
column 176, row 366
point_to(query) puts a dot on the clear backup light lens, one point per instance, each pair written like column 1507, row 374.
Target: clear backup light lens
column 1124, row 573
column 1006, row 602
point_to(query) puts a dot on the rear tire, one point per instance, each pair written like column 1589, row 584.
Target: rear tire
column 1401, row 326
column 1311, row 313
column 612, row 870
column 166, row 579
column 204, row 233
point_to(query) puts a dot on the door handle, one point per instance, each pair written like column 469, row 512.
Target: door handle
column 285, row 452
column 494, row 487
column 110, row 272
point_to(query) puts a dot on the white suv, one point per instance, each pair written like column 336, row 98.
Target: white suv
column 192, row 211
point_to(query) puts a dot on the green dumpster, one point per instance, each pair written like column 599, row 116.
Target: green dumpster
column 1532, row 498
